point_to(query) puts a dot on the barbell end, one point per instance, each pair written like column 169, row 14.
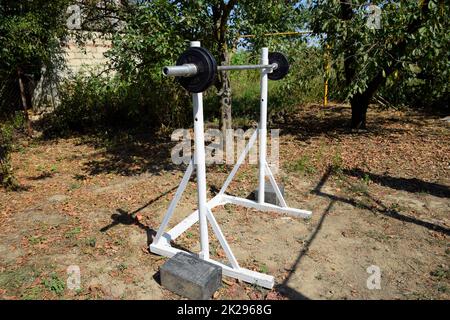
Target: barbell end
column 185, row 70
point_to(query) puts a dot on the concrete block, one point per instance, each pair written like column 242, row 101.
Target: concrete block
column 269, row 194
column 190, row 276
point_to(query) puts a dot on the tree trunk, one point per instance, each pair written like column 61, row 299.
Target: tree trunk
column 359, row 105
column 24, row 102
column 221, row 13
column 360, row 101
column 225, row 95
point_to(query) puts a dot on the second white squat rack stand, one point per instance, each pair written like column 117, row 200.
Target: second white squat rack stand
column 161, row 243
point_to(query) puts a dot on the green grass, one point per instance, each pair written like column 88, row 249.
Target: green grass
column 15, row 279
column 33, row 293
column 263, row 268
column 33, row 240
column 74, row 186
column 337, row 163
column 358, row 188
column 441, row 273
column 54, row 284
column 91, row 242
column 443, row 288
column 303, row 165
column 189, row 234
column 72, row 233
column 366, row 179
column 122, row 267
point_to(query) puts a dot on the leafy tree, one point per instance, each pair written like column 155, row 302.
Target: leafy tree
column 155, row 32
column 30, row 34
column 30, row 38
column 412, row 42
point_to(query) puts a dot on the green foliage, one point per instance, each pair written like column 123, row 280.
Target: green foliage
column 303, row 84
column 92, row 102
column 442, row 272
column 303, row 165
column 54, row 284
column 406, row 58
column 135, row 94
column 72, row 233
column 8, row 130
column 30, row 34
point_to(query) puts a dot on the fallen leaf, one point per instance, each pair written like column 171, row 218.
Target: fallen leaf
column 227, row 282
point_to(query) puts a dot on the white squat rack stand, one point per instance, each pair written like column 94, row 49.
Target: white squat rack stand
column 161, row 243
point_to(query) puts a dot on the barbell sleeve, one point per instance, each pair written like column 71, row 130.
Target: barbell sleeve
column 185, row 70
column 248, row 67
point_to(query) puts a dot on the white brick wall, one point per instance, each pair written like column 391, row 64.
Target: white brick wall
column 89, row 56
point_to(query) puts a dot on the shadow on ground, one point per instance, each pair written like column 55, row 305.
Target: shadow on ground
column 411, row 185
column 130, row 219
column 130, row 154
column 379, row 207
column 333, row 121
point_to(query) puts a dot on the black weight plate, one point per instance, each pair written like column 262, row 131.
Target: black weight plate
column 206, row 66
column 283, row 65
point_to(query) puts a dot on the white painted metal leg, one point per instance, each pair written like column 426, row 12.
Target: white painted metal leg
column 199, row 133
column 263, row 126
column 188, row 222
column 222, row 240
column 267, row 207
column 181, row 227
column 239, row 162
column 173, row 203
column 201, row 173
column 275, row 186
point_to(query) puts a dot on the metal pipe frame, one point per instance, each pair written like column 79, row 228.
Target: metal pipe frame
column 272, row 66
column 185, row 70
column 162, row 242
column 190, row 69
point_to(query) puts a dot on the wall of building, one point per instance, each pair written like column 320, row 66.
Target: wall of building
column 90, row 56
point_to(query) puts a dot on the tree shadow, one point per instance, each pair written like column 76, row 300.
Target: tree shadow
column 284, row 289
column 379, row 207
column 411, row 185
column 130, row 154
column 129, row 218
column 333, row 121
column 42, row 176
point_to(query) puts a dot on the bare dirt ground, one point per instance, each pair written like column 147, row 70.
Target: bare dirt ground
column 379, row 197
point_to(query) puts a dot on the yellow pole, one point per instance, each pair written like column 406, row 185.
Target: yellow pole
column 327, row 75
column 290, row 33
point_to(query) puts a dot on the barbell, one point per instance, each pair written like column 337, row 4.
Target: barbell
column 196, row 68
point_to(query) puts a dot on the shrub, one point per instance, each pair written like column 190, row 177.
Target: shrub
column 90, row 102
column 8, row 129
